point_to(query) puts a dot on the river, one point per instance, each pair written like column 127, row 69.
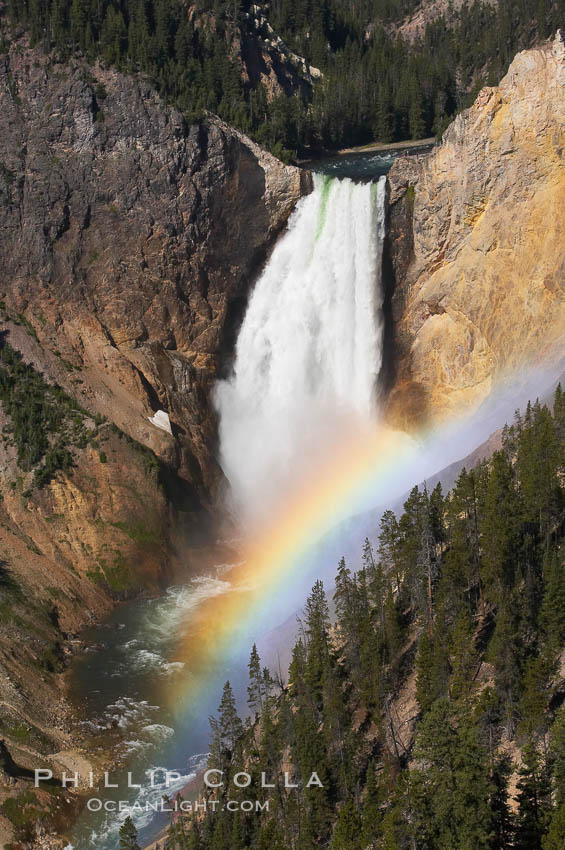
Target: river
column 126, row 684
column 153, row 671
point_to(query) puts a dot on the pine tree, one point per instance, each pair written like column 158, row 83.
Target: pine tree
column 497, row 595
column 428, row 569
column 553, row 603
column 368, row 558
column 128, row 836
column 345, row 602
column 534, row 800
column 537, row 463
column 317, row 656
column 554, row 839
column 432, row 669
column 412, row 532
column 463, row 657
column 505, row 652
column 416, row 114
column 347, row 828
column 557, row 750
column 113, row 36
column 371, row 824
column 389, row 546
column 271, row 742
column 384, row 116
column 226, row 729
column 256, row 687
column 441, row 119
column 451, row 792
column 462, row 573
column 394, row 830
column 538, row 675
column 393, row 629
column 502, row 822
column 271, row 838
column 80, row 25
column 377, row 594
column 555, row 836
column 559, row 418
column 499, row 529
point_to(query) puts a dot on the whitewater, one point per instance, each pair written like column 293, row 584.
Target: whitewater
column 309, row 350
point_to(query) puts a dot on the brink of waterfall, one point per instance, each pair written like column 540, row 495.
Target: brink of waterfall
column 310, row 347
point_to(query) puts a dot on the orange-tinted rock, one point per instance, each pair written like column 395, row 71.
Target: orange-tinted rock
column 481, row 271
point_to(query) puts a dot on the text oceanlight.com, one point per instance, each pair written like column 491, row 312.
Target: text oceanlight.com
column 164, row 805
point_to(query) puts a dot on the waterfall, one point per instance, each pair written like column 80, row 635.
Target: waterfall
column 310, row 347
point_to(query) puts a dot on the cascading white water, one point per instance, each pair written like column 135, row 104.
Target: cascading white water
column 310, row 346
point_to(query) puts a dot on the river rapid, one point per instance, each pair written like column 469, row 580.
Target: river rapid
column 133, row 685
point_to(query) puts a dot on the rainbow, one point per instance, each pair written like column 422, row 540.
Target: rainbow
column 261, row 589
column 367, row 469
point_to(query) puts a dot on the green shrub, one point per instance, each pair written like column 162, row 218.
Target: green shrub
column 138, row 532
column 21, row 813
column 44, row 422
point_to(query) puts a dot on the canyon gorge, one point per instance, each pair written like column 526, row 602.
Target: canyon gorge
column 131, row 243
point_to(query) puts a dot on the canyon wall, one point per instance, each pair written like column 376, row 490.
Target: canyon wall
column 475, row 245
column 129, row 242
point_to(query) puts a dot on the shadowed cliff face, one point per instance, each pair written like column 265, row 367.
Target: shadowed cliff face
column 127, row 237
column 476, row 244
column 129, row 243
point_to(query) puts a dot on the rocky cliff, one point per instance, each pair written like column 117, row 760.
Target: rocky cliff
column 263, row 56
column 129, row 242
column 476, row 245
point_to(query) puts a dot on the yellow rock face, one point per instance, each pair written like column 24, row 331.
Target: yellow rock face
column 483, row 296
